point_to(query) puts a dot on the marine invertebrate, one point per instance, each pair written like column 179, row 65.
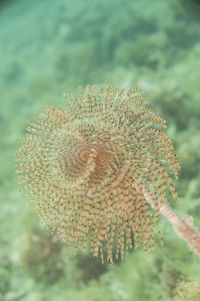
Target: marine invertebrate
column 92, row 168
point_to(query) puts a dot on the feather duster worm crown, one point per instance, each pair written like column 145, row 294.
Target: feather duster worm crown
column 86, row 166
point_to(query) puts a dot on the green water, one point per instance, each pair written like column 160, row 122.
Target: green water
column 51, row 47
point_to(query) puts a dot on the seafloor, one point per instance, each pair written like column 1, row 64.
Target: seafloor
column 48, row 47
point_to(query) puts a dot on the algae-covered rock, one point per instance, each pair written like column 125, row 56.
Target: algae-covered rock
column 188, row 290
column 42, row 257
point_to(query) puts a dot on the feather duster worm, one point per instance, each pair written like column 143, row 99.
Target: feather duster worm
column 90, row 168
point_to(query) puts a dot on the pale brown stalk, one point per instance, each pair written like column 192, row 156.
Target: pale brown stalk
column 181, row 226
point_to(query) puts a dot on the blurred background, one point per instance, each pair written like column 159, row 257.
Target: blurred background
column 49, row 47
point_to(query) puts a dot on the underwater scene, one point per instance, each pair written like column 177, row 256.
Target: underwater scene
column 100, row 150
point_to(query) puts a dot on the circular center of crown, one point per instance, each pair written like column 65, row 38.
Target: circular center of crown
column 77, row 161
